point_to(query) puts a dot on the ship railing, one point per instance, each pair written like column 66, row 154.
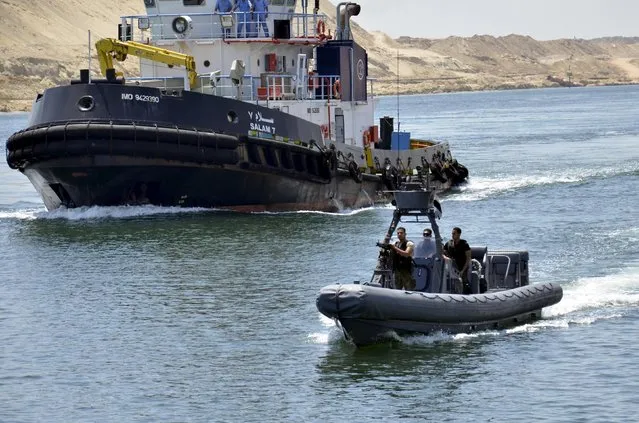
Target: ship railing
column 169, row 83
column 323, row 87
column 203, row 26
column 283, row 86
column 224, row 86
column 266, row 87
column 270, row 86
column 371, row 86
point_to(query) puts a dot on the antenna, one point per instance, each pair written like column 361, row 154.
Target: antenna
column 398, row 91
column 398, row 124
column 89, row 56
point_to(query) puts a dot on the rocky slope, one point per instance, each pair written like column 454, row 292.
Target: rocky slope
column 43, row 44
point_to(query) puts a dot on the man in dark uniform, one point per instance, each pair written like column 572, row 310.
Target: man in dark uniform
column 403, row 261
column 459, row 250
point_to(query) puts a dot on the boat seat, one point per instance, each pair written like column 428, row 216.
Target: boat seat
column 479, row 254
column 478, row 279
column 421, row 273
column 503, row 273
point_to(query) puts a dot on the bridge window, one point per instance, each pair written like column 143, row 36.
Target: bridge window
column 194, row 2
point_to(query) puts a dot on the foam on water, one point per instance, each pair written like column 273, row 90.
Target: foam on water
column 329, row 337
column 332, row 334
column 344, row 212
column 95, row 212
column 599, row 297
column 479, row 188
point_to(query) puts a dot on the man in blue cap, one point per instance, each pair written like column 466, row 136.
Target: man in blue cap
column 224, row 6
column 260, row 7
column 243, row 21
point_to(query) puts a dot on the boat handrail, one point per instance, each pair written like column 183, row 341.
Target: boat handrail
column 507, row 266
column 205, row 26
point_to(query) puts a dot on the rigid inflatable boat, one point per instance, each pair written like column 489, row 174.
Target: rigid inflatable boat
column 500, row 297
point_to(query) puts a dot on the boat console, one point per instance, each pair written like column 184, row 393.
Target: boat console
column 491, row 270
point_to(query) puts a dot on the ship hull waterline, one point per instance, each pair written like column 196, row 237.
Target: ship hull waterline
column 108, row 181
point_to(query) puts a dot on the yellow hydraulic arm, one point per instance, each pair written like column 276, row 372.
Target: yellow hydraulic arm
column 110, row 48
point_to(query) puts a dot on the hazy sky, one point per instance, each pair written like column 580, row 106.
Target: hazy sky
column 541, row 19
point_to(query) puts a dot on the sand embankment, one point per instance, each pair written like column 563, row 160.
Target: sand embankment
column 43, row 44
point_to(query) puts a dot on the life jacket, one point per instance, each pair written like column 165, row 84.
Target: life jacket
column 400, row 262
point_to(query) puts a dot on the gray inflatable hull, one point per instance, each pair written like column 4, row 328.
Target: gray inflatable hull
column 370, row 314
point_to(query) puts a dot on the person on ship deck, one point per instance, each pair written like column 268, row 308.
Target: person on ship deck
column 224, row 6
column 243, row 9
column 260, row 13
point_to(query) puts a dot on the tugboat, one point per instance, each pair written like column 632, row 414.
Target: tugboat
column 500, row 294
column 244, row 110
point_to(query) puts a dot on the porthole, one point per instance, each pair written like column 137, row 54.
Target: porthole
column 86, row 103
column 232, row 117
column 207, row 63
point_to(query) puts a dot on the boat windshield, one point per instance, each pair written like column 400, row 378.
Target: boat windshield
column 425, row 247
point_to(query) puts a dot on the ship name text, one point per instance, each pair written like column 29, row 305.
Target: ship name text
column 262, row 128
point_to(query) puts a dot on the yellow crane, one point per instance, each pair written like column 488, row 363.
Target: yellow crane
column 110, row 48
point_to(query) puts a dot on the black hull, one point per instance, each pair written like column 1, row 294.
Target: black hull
column 108, row 181
column 187, row 149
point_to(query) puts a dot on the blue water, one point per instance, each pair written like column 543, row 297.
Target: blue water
column 153, row 314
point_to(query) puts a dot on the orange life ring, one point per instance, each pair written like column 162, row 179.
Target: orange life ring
column 321, row 27
column 324, row 130
column 337, row 89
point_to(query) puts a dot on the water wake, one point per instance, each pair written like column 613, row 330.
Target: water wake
column 593, row 298
column 481, row 188
column 96, row 212
column 344, row 212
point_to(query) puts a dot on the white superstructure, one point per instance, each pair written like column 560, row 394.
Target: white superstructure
column 302, row 68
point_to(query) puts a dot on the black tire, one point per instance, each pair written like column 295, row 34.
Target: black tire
column 391, row 177
column 437, row 173
column 354, row 171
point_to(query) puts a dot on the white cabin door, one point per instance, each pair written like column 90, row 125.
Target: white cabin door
column 302, row 76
